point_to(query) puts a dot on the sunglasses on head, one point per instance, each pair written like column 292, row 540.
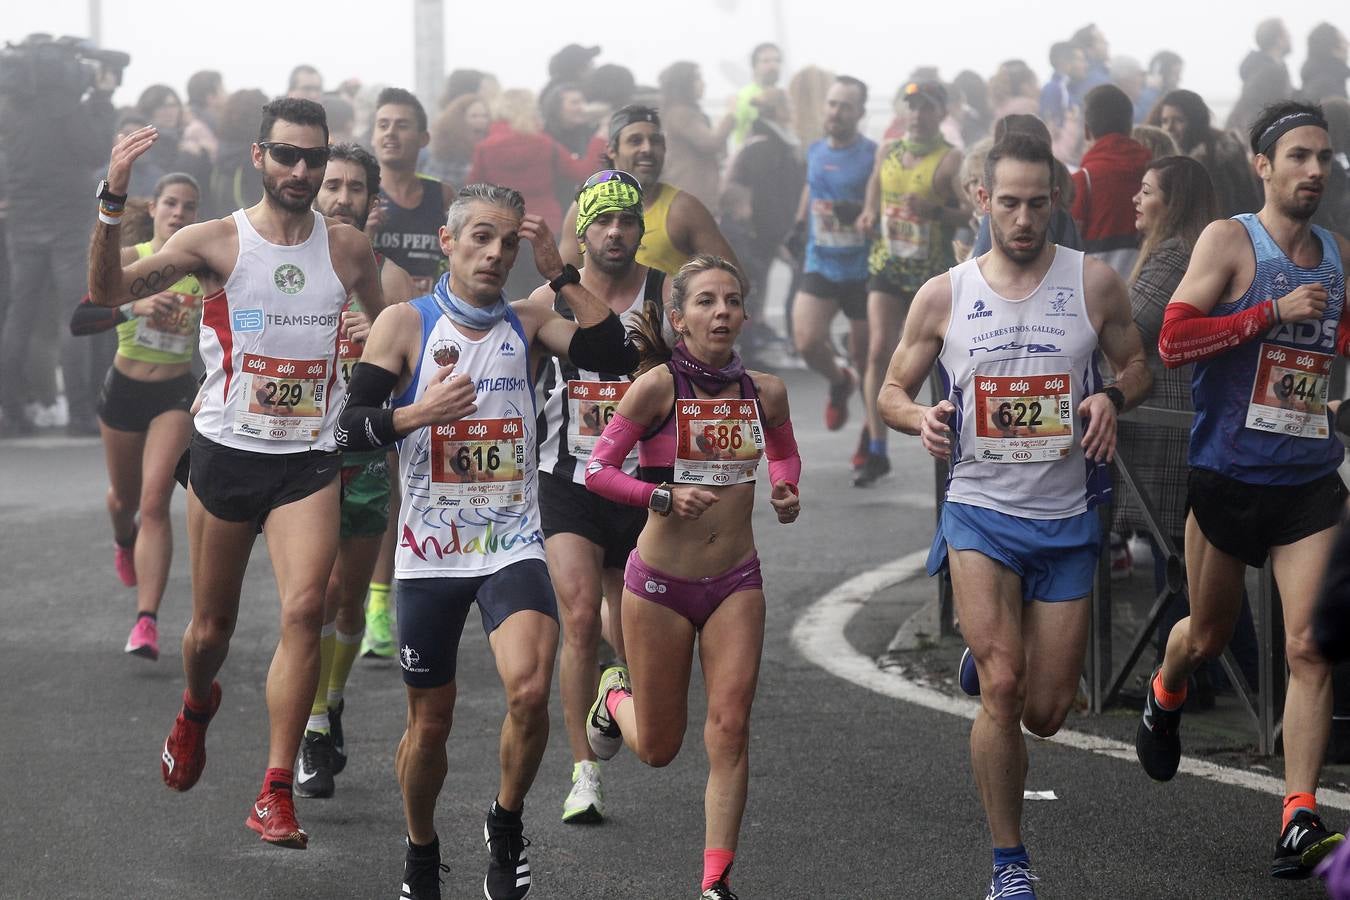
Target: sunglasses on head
column 289, row 154
column 606, row 175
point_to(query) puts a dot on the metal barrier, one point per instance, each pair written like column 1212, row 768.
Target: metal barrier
column 1105, row 681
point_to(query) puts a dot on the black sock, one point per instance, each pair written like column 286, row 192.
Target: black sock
column 503, row 816
column 153, row 617
column 432, row 849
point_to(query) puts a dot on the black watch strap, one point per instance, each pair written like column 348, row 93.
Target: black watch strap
column 1116, row 397
column 569, row 275
column 109, row 196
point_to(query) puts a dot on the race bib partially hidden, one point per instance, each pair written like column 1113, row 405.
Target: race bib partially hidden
column 906, row 236
column 349, row 354
column 718, row 442
column 174, row 331
column 1023, row 418
column 1289, row 395
column 282, row 399
column 590, row 406
column 828, row 231
column 478, row 463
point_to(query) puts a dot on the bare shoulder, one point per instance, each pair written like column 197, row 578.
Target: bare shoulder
column 344, row 237
column 652, row 388
column 932, row 304
column 773, row 397
column 534, row 309
column 396, row 283
column 1223, row 238
column 1099, row 277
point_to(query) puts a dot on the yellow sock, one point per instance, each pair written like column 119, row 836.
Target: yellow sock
column 378, row 599
column 318, row 710
column 345, row 648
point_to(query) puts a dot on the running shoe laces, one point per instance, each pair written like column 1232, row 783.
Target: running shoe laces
column 1012, row 880
column 422, row 875
column 584, row 804
column 314, row 777
column 602, row 732
column 273, row 818
column 508, row 874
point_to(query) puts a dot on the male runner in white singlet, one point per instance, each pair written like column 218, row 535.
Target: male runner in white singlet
column 1028, row 427
column 458, row 363
column 277, row 276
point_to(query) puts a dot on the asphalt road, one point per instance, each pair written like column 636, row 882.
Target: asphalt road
column 853, row 794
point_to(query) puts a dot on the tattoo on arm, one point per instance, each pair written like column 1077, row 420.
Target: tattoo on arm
column 154, row 282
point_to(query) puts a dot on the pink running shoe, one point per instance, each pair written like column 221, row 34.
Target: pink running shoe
column 124, row 561
column 144, row 638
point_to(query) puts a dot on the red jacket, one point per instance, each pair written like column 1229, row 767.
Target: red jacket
column 530, row 163
column 1104, row 189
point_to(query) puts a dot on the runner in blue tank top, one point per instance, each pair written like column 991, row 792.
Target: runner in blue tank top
column 1259, row 313
column 834, row 274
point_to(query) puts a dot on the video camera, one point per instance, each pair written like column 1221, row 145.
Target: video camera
column 43, row 66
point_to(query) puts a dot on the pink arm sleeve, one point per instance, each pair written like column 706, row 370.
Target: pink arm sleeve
column 604, row 471
column 780, row 446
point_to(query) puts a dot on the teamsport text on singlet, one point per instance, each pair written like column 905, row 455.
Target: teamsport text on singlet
column 1261, row 407
column 837, row 178
column 166, row 338
column 1016, row 372
column 656, row 251
column 410, row 237
column 269, row 340
column 470, row 489
column 578, row 403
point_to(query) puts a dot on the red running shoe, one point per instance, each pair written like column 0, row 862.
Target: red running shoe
column 273, row 817
column 860, row 453
column 184, row 754
column 836, row 407
column 124, row 561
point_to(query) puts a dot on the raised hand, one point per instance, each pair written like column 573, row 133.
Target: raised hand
column 125, row 152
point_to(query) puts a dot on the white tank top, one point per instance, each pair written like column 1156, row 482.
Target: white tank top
column 578, row 403
column 269, row 340
column 1016, row 371
column 470, row 489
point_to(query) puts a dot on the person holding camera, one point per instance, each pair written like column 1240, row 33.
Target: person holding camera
column 56, row 125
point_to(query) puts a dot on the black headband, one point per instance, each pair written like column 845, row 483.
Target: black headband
column 1285, row 124
column 630, row 115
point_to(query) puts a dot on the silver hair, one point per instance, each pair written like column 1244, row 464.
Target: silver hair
column 458, row 214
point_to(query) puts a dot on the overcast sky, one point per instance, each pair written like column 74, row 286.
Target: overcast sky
column 255, row 43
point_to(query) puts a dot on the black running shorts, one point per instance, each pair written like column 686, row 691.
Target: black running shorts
column 1246, row 520
column 126, row 404
column 244, row 486
column 850, row 295
column 566, row 507
column 431, row 612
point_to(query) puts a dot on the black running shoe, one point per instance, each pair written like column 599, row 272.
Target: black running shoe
column 314, row 773
column 335, row 729
column 874, row 467
column 1304, row 843
column 1157, row 742
column 508, row 874
column 422, row 870
column 719, row 891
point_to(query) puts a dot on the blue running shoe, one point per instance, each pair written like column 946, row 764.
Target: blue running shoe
column 968, row 675
column 1012, row 880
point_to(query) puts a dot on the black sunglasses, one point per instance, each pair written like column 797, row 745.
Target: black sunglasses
column 289, row 154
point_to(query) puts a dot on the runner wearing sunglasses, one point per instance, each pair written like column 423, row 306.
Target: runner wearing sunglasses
column 459, row 364
column 704, row 422
column 276, row 277
column 676, row 224
column 587, row 538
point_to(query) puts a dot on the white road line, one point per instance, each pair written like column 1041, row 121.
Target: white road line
column 819, row 636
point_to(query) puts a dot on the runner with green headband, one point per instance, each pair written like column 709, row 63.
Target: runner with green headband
column 587, row 538
column 676, row 226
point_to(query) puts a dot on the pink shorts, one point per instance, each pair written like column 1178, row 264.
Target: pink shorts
column 694, row 598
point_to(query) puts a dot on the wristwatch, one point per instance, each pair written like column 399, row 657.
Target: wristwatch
column 660, row 500
column 569, row 275
column 1117, row 398
column 108, row 196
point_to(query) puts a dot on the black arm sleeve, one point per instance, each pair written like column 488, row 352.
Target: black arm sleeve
column 90, row 319
column 604, row 348
column 365, row 423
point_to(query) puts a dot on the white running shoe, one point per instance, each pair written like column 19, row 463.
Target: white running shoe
column 602, row 732
column 585, row 804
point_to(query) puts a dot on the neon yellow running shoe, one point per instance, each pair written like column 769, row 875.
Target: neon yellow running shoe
column 585, row 804
column 378, row 642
